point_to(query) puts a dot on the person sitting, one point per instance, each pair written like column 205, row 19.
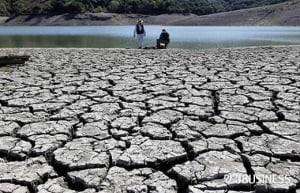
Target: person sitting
column 164, row 40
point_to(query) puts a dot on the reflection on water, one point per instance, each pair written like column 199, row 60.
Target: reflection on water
column 188, row 37
column 62, row 41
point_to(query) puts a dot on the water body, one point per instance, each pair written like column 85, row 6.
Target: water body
column 187, row 37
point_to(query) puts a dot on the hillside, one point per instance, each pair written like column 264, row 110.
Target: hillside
column 13, row 8
column 283, row 14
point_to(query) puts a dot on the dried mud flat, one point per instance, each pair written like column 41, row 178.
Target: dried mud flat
column 120, row 120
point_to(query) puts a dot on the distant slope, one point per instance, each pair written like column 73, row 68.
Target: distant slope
column 283, row 14
column 12, row 8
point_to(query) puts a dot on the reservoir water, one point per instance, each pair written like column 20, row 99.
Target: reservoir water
column 186, row 37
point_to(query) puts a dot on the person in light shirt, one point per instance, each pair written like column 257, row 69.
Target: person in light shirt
column 140, row 33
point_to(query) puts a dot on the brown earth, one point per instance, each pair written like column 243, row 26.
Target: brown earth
column 283, row 14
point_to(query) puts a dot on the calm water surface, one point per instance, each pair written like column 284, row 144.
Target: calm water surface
column 188, row 37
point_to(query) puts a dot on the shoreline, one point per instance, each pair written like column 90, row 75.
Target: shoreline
column 158, row 50
column 232, row 18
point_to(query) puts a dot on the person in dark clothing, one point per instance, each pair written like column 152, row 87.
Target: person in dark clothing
column 164, row 40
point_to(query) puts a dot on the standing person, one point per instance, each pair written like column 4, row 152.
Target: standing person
column 140, row 32
column 164, row 39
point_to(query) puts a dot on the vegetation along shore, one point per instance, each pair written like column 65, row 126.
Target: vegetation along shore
column 220, row 13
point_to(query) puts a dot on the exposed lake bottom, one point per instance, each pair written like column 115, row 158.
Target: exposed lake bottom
column 172, row 121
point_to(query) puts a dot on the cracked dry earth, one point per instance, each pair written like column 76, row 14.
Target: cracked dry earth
column 135, row 121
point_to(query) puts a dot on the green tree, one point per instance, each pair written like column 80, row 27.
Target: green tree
column 4, row 8
column 200, row 7
column 114, row 5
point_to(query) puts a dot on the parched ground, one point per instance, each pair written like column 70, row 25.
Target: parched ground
column 151, row 121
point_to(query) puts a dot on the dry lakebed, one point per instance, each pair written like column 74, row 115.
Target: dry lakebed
column 151, row 121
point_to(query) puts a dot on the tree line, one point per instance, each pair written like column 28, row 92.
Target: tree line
column 152, row 7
